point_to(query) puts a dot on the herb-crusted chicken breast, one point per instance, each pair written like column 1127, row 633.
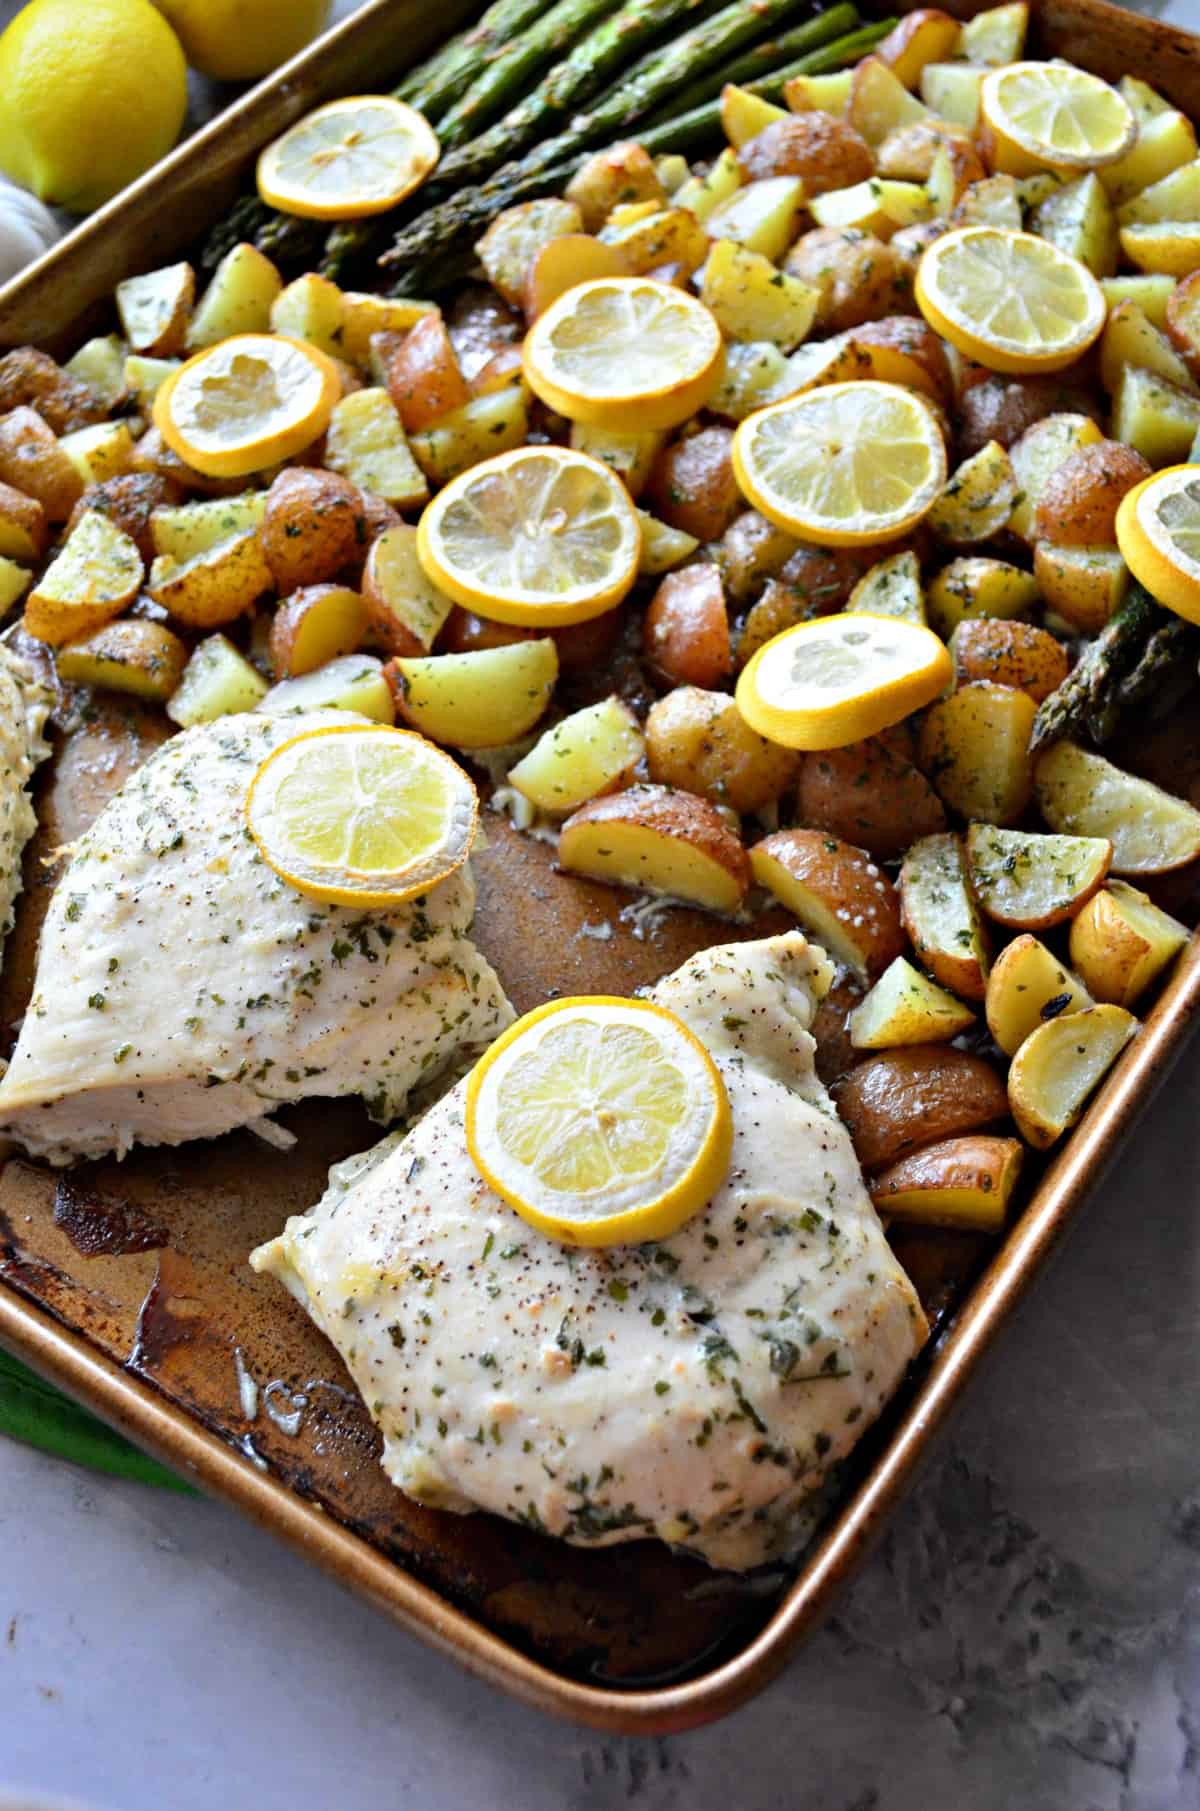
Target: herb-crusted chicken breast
column 699, row 1389
column 183, row 988
column 24, row 706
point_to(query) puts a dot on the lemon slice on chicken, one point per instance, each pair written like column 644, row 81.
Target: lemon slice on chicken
column 1009, row 300
column 361, row 814
column 354, row 157
column 247, row 403
column 540, row 536
column 601, row 1121
column 625, row 352
column 1053, row 116
column 842, row 465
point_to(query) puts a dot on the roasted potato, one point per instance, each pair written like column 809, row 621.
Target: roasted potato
column 1004, row 408
column 23, row 528
column 630, row 454
column 859, row 277
column 100, row 452
column 364, row 315
column 100, row 364
column 896, row 1102
column 752, row 300
column 891, row 587
column 905, row 1007
column 763, row 216
column 214, row 586
column 1083, row 585
column 819, row 93
column 879, row 102
column 405, row 609
column 1008, row 653
column 14, row 583
column 1059, row 1065
column 131, row 502
column 693, row 486
column 1082, row 794
column 868, row 793
column 750, row 551
column 974, row 747
column 964, row 1182
column 29, row 378
column 154, row 309
column 310, row 309
column 703, row 195
column 1122, row 941
column 924, row 36
column 353, row 682
column 1182, row 319
column 837, row 894
column 480, row 700
column 1162, row 145
column 939, row 913
column 238, row 299
column 996, row 201
column 881, row 205
column 665, row 238
column 904, row 350
column 313, row 525
column 1031, row 881
column 562, row 263
column 1149, row 292
column 217, row 682
column 685, row 632
column 1130, row 338
column 465, row 633
column 33, row 461
column 184, row 529
column 745, row 114
column 141, row 658
column 367, row 445
column 826, row 152
column 1027, row 987
column 1078, row 218
column 152, row 454
column 1038, row 454
column 699, row 740
column 952, row 90
column 755, row 373
column 978, row 498
column 314, row 625
column 485, row 425
column 424, row 378
column 1156, row 418
column 517, row 235
column 593, row 751
column 622, row 172
column 96, row 574
column 659, row 839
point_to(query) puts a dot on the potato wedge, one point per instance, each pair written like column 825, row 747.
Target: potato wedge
column 184, row 529
column 974, row 747
column 630, row 453
column 837, row 893
column 924, row 36
column 131, row 501
column 100, row 452
column 1078, row 218
column 1122, row 941
column 366, row 444
column 405, row 609
column 1149, row 292
column 516, row 236
column 593, row 751
column 1008, row 653
column 906, row 1007
column 310, row 309
column 1029, row 986
column 996, row 201
column 353, row 682
column 313, row 525
column 693, row 486
column 14, row 583
column 750, row 551
column 685, row 631
column 859, row 276
column 663, row 547
column 96, row 575
column 1156, row 418
column 977, row 585
column 483, row 426
column 901, row 350
column 662, row 841
column 753, row 300
column 702, row 195
column 425, row 381
column 1029, row 880
column 142, row 658
column 238, row 299
column 100, row 364
column 155, row 309
column 314, row 626
column 562, row 263
column 963, row 1182
column 700, row 741
column 891, row 587
column 895, row 1102
column 744, row 115
column 996, row 36
column 881, row 205
column 978, row 499
column 879, row 101
column 1182, row 319
column 1165, row 247
column 668, row 237
column 1130, row 338
column 1059, row 1065
column 621, row 172
column 33, row 461
column 23, row 528
column 1083, row 585
column 939, row 913
column 870, row 794
column 951, row 90
column 214, row 586
column 29, row 378
column 819, row 93
column 1037, row 454
column 1082, row 794
column 763, row 216
column 824, row 152
column 364, row 315
column 481, row 700
column 217, row 682
column 1079, row 502
column 755, row 374
column 144, row 377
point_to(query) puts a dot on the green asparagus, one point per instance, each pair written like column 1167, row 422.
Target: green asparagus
column 525, row 59
column 432, row 86
column 442, row 230
column 763, row 59
column 1141, row 652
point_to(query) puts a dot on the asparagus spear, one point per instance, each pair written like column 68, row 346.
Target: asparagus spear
column 441, row 228
column 762, row 59
column 524, row 59
column 434, row 83
column 1134, row 656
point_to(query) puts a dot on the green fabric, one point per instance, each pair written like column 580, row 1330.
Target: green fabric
column 38, row 1414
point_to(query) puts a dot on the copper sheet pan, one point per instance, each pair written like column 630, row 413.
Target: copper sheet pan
column 127, row 1284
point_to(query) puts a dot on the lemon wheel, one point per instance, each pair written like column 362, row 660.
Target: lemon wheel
column 247, row 403
column 540, row 536
column 1009, row 300
column 625, row 352
column 1053, row 116
column 1158, row 532
column 361, row 814
column 357, row 156
column 601, row 1121
column 833, row 681
column 843, row 465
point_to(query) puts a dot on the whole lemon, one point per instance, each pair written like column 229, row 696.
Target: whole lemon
column 90, row 96
column 237, row 40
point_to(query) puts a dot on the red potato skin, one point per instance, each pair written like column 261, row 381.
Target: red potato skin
column 903, row 1099
column 32, row 379
column 1001, row 408
column 869, row 793
column 465, row 633
column 129, row 501
column 685, row 633
column 1183, row 319
column 1079, row 502
column 1009, row 653
column 693, row 487
column 827, row 152
column 954, row 1162
column 315, row 524
column 424, row 379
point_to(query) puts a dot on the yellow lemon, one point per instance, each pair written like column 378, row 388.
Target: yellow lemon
column 361, row 814
column 1053, row 116
column 90, row 97
column 833, row 681
column 1158, row 532
column 601, row 1121
column 1009, row 300
column 357, row 156
column 247, row 403
column 238, row 40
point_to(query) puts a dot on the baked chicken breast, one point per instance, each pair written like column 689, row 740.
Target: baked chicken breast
column 24, row 706
column 183, row 988
column 700, row 1389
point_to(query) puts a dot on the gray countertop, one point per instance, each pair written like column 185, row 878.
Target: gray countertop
column 1029, row 1634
